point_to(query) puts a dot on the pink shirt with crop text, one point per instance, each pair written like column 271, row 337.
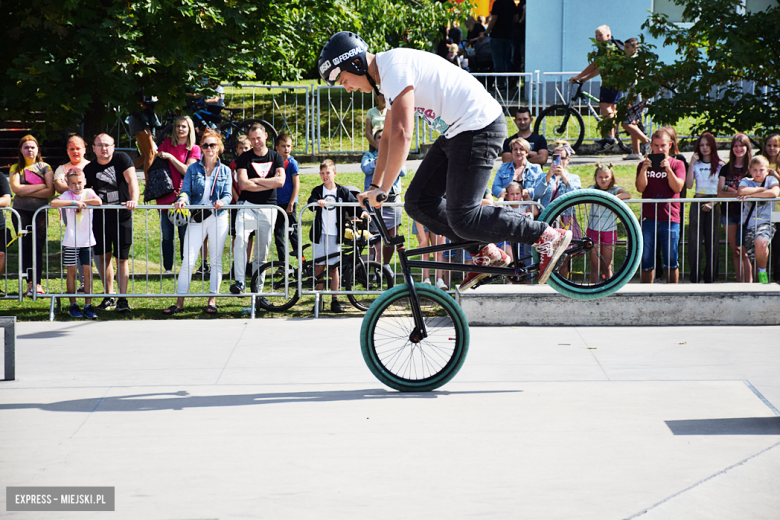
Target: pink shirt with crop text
column 658, row 188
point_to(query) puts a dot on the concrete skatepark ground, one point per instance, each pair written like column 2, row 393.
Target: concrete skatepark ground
column 230, row 419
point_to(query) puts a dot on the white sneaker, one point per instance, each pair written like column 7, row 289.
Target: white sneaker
column 633, row 157
column 551, row 245
column 427, row 281
column 441, row 285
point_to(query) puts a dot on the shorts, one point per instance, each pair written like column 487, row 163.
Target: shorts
column 609, row 95
column 635, row 111
column 730, row 219
column 414, row 229
column 113, row 238
column 327, row 245
column 72, row 256
column 602, row 237
column 749, row 240
column 664, row 235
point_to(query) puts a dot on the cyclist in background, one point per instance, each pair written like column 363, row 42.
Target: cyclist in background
column 459, row 163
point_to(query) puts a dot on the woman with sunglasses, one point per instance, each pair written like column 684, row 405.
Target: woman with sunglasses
column 207, row 182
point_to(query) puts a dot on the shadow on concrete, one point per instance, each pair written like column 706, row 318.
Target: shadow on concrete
column 738, row 426
column 181, row 400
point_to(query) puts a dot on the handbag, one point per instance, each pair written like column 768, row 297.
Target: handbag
column 199, row 215
column 158, row 180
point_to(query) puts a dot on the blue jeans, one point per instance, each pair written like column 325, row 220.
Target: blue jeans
column 666, row 236
column 501, row 50
column 460, row 168
column 167, row 228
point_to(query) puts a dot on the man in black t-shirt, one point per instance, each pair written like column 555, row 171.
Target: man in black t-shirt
column 539, row 153
column 503, row 17
column 113, row 178
column 260, row 171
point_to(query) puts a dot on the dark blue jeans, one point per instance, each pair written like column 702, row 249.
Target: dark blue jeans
column 460, row 168
column 167, row 228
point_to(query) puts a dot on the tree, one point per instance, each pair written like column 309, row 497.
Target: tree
column 721, row 54
column 71, row 60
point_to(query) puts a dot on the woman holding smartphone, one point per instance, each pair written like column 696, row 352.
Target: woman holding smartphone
column 520, row 170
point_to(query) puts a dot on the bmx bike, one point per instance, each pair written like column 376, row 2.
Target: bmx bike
column 415, row 337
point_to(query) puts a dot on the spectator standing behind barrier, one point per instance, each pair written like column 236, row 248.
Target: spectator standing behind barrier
column 260, row 173
column 113, row 178
column 79, row 238
column 771, row 151
column 602, row 224
column 32, row 182
column 704, row 217
column 730, row 175
column 5, row 201
column 242, row 146
column 205, row 182
column 636, row 108
column 390, row 215
column 503, row 17
column 375, row 120
column 674, row 151
column 142, row 126
column 181, row 151
column 559, row 181
column 608, row 96
column 660, row 177
column 287, row 199
column 77, row 151
column 425, row 238
column 537, row 151
column 519, row 169
column 757, row 216
column 327, row 233
column 475, row 28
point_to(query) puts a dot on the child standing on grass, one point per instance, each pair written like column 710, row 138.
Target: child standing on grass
column 515, row 192
column 757, row 216
column 327, row 233
column 79, row 239
column 602, row 225
column 287, row 199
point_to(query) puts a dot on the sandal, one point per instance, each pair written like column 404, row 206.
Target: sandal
column 173, row 309
column 211, row 309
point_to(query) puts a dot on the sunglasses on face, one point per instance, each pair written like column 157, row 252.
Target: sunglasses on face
column 209, row 145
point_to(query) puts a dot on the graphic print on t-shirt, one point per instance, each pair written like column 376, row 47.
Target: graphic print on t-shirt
column 108, row 195
column 262, row 169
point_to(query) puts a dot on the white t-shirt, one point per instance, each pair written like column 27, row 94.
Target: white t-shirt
column 330, row 225
column 206, row 198
column 601, row 218
column 78, row 227
column 448, row 99
column 763, row 211
column 706, row 184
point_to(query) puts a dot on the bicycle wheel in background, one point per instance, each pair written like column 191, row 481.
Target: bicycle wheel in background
column 398, row 361
column 274, row 282
column 604, row 221
column 367, row 276
column 231, row 131
column 559, row 122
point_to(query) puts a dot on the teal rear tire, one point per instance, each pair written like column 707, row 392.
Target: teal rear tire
column 402, row 364
column 591, row 274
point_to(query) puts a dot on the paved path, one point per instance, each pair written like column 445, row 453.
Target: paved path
column 280, row 419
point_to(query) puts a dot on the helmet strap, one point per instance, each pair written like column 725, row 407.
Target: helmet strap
column 373, row 84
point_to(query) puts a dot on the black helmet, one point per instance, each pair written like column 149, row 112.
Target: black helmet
column 345, row 51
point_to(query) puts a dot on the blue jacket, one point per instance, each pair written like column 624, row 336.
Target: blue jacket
column 533, row 179
column 368, row 165
column 195, row 181
column 558, row 188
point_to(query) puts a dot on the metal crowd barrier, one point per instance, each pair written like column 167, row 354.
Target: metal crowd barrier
column 12, row 235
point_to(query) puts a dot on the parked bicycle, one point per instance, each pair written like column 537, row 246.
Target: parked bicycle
column 229, row 127
column 357, row 273
column 415, row 337
column 565, row 122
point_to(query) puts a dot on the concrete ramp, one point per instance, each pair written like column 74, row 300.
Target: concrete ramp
column 633, row 305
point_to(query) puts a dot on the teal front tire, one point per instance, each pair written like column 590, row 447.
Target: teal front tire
column 395, row 359
column 617, row 250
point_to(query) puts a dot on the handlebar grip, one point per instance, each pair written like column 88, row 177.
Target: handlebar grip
column 381, row 197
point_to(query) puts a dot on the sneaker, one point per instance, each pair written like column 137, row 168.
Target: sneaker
column 488, row 255
column 607, row 141
column 336, row 307
column 39, row 289
column 80, row 290
column 203, row 270
column 107, row 304
column 168, row 271
column 633, row 157
column 427, row 281
column 763, row 278
column 89, row 312
column 74, row 311
column 551, row 245
column 29, row 291
column 261, row 299
column 122, row 305
column 441, row 285
column 237, row 288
